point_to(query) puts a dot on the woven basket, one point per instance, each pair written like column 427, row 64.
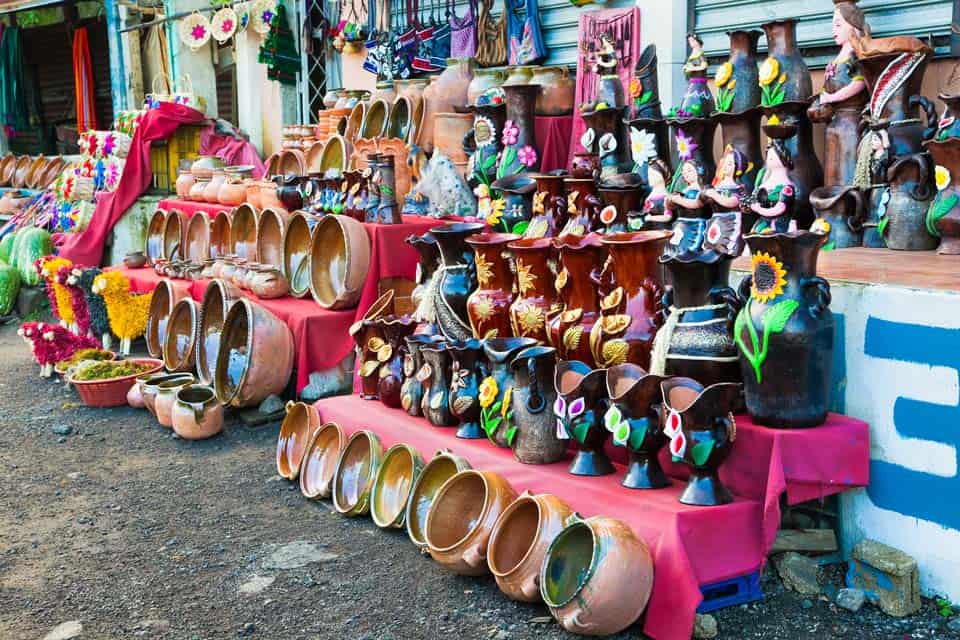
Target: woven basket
column 111, row 392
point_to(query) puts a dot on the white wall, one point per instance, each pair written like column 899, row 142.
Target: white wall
column 198, row 64
column 664, row 23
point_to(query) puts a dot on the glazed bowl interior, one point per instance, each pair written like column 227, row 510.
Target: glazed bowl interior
column 157, row 316
column 567, row 567
column 212, row 315
column 313, row 156
column 270, row 238
column 392, row 486
column 195, row 394
column 682, row 397
column 243, row 233
column 320, row 461
column 180, row 337
column 514, row 536
column 457, row 510
column 434, row 475
column 198, row 239
column 292, row 442
column 375, row 120
column 220, row 235
column 291, row 164
column 354, row 473
column 173, row 237
column 355, row 121
column 399, row 124
column 233, row 357
column 329, row 260
column 296, row 255
column 154, row 249
column 333, row 157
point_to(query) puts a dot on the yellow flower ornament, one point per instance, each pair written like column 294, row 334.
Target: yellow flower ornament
column 769, row 71
column 724, row 72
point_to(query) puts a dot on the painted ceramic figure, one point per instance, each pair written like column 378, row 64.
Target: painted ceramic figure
column 697, row 102
column 686, row 203
column 655, row 214
column 775, row 193
column 725, row 196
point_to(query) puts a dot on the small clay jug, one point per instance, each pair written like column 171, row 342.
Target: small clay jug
column 581, row 263
column 466, row 372
column 633, row 418
column 395, row 331
column 391, row 488
column 461, row 520
column 434, row 375
column 844, row 208
column 320, row 461
column 411, row 392
column 497, row 387
column 519, row 543
column 197, row 414
column 536, row 295
column 579, row 409
column 268, row 282
column 296, row 431
column 356, row 470
column 536, row 440
column 441, row 468
column 149, row 386
column 489, row 305
column 166, row 396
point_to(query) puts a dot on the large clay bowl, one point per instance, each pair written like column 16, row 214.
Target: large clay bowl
column 36, row 168
column 313, row 157
column 335, row 157
column 20, row 172
column 444, row 466
column 165, row 297
column 398, row 124
column 8, row 166
column 297, row 239
column 320, row 461
column 375, row 120
column 270, row 230
column 355, row 121
column 243, row 232
column 296, row 432
column 272, row 165
column 174, row 231
column 197, row 240
column 356, row 470
column 220, row 241
column 292, row 163
column 391, row 488
column 339, row 260
column 217, row 300
column 180, row 341
column 154, row 246
column 255, row 358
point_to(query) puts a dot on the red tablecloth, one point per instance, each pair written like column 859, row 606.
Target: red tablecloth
column 320, row 336
column 190, row 208
column 552, row 134
column 691, row 546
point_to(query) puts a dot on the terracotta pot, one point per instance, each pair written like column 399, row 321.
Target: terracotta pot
column 398, row 124
column 154, row 244
column 37, row 167
column 339, row 260
column 519, row 74
column 581, row 262
column 355, row 122
column 196, row 191
column 390, row 356
column 255, row 358
column 148, row 385
column 391, row 489
column 174, row 230
column 533, row 397
column 446, row 92
column 298, row 429
column 597, row 577
column 536, row 296
column 243, row 232
column 297, row 238
column 217, row 300
column 434, row 475
column 483, row 79
column 557, row 91
column 211, row 191
column 520, row 540
column 180, row 341
column 356, row 470
column 165, row 397
column 197, row 240
column 320, row 461
column 165, row 296
column 270, row 229
column 135, row 397
column 448, row 133
column 252, row 188
column 334, row 158
column 233, row 192
column 185, row 182
column 374, row 120
column 488, row 307
column 267, row 282
column 461, row 519
column 196, row 414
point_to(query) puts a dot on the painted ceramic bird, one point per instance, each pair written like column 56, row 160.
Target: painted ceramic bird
column 51, row 343
column 127, row 311
column 99, row 320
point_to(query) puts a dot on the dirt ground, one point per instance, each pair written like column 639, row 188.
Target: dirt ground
column 136, row 534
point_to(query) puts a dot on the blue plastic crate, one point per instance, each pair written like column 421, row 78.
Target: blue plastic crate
column 729, row 593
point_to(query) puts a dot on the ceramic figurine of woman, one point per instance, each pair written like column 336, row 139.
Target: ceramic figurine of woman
column 843, row 96
column 655, row 215
column 697, row 101
column 686, row 203
column 725, row 196
column 775, row 194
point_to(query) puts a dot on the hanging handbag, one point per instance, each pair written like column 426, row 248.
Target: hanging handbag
column 491, row 36
column 525, row 37
column 463, row 32
column 440, row 44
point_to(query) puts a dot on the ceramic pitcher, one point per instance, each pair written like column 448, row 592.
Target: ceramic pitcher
column 579, row 409
column 496, row 390
column 434, row 375
column 533, row 397
column 458, row 278
column 466, row 372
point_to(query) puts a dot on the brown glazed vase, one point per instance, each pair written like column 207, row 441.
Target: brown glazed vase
column 166, row 396
column 519, row 543
column 396, row 329
column 581, row 262
column 699, row 422
column 466, row 372
column 579, row 409
column 943, row 217
column 320, row 461
column 633, row 418
column 844, row 208
column 536, row 296
column 434, row 375
column 180, row 341
column 591, row 597
column 583, row 206
column 521, row 106
column 461, row 520
column 356, row 470
column 165, row 296
column 369, row 339
column 217, row 300
column 196, row 414
column 533, row 396
column 621, row 202
column 549, row 206
column 458, row 277
column 489, row 305
column 498, row 386
column 411, row 392
column 296, row 431
column 391, row 488
column 441, row 468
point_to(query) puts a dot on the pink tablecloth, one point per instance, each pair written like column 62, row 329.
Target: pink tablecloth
column 691, row 546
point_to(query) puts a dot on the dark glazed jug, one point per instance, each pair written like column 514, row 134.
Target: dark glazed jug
column 466, row 372
column 458, row 278
column 497, row 388
column 521, row 104
column 579, row 409
column 536, row 441
column 395, row 331
column 633, row 418
column 434, row 375
column 843, row 208
column 411, row 393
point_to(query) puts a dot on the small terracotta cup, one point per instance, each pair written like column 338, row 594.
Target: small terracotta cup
column 148, row 383
column 299, row 425
column 391, row 488
column 320, row 461
column 356, row 470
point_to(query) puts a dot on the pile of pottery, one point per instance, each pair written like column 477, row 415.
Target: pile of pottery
column 27, row 172
column 298, row 136
column 208, row 180
column 474, row 523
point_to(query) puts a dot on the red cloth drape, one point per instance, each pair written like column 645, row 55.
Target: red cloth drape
column 83, row 81
column 86, row 248
column 553, row 140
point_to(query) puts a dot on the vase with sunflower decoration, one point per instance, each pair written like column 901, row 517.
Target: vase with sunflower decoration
column 943, row 217
column 785, row 331
column 738, row 102
column 536, row 297
column 699, row 423
column 579, row 409
column 519, row 144
column 434, row 375
column 633, row 417
column 536, row 440
column 458, row 277
column 496, row 390
column 391, row 355
column 549, row 212
column 581, row 262
column 486, row 136
column 466, row 372
column 489, row 305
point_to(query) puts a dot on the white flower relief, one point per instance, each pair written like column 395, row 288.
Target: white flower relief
column 643, row 146
column 587, row 139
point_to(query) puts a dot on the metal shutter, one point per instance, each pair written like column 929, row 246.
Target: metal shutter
column 559, row 20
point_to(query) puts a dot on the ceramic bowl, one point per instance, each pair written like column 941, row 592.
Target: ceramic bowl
column 165, row 296
column 243, row 232
column 135, row 260
column 312, row 158
column 217, row 300
column 273, row 223
column 20, row 172
column 197, row 240
column 441, row 468
column 356, row 470
column 154, row 246
column 296, row 252
column 355, row 121
column 174, row 231
column 391, row 488
column 320, row 461
column 398, row 124
column 180, row 341
column 292, row 163
column 339, row 260
column 220, row 242
column 375, row 120
column 36, row 168
column 296, row 432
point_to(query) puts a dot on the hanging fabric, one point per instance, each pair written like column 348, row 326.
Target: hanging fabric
column 491, row 36
column 13, row 96
column 279, row 50
column 524, row 35
column 83, row 82
column 463, row 32
column 155, row 59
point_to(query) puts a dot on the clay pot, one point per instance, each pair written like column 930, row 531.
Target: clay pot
column 435, row 377
column 597, row 577
column 204, row 166
column 166, row 395
column 233, row 192
column 8, row 166
column 390, row 356
column 434, row 475
column 391, row 489
column 488, row 307
column 447, row 92
column 196, row 413
column 211, row 191
column 536, row 295
column 270, row 230
column 255, row 358
column 135, row 397
column 217, row 300
column 461, row 519
column 220, row 243
column 297, row 237
column 297, row 430
column 165, row 296
column 334, row 158
column 180, row 341
column 581, row 262
column 356, row 470
column 520, row 74
column 533, row 397
column 466, row 372
column 520, row 540
column 402, row 175
column 148, row 384
column 579, row 408
column 135, row 260
column 252, row 188
column 411, row 392
column 844, row 208
column 174, row 230
column 355, row 122
column 37, row 167
column 339, row 260
column 243, row 232
column 320, row 461
column 196, row 191
column 20, row 171
column 449, row 129
column 557, row 88
column 197, row 239
column 398, row 124
column 483, row 79
column 268, row 282
column 185, row 182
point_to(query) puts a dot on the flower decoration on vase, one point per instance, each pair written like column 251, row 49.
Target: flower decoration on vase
column 488, row 135
column 644, row 112
column 943, row 217
column 493, row 412
column 633, row 417
column 643, row 149
column 738, row 102
column 519, row 152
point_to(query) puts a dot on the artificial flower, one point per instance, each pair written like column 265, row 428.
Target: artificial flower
column 587, row 139
column 227, row 26
column 643, row 146
column 488, row 391
column 769, row 71
column 773, row 120
column 527, row 155
column 496, row 212
column 724, row 72
column 636, row 88
column 511, row 133
column 943, row 177
column 769, row 277
column 820, row 226
column 685, row 146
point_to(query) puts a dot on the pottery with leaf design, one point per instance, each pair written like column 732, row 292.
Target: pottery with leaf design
column 549, row 206
column 467, row 370
column 536, row 440
column 943, row 217
column 581, row 262
column 496, row 389
column 536, row 296
column 579, row 409
column 633, row 418
column 458, row 278
column 583, row 206
column 411, row 392
column 488, row 307
column 391, row 355
column 434, row 375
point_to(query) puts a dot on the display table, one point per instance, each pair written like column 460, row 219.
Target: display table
column 691, row 546
column 190, row 208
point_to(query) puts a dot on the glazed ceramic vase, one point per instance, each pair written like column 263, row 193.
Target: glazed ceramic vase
column 488, row 307
column 296, row 431
column 517, row 193
column 583, row 206
column 632, row 305
column 466, row 372
column 536, row 440
column 699, row 422
column 785, row 332
column 396, row 329
column 843, row 208
column 536, row 295
column 788, row 74
column 391, row 488
column 943, row 217
column 581, row 262
column 521, row 105
column 549, row 212
column 434, row 475
column 486, row 139
column 369, row 339
column 623, row 200
column 579, row 409
column 695, row 135
column 897, row 213
column 645, row 100
column 609, row 122
column 633, row 418
column 429, row 253
column 434, row 375
column 411, row 392
column 458, row 278
column 497, row 388
column 196, row 414
column 356, row 470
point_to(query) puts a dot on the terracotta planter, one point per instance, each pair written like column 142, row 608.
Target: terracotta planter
column 149, row 386
column 579, row 408
column 270, row 231
column 633, row 417
column 339, row 260
column 448, row 133
column 434, row 475
column 446, row 92
column 356, row 470
column 457, row 280
column 196, row 413
column 581, row 262
column 521, row 537
column 391, row 489
column 320, row 461
column 243, row 232
column 296, row 432
column 536, row 296
column 461, row 519
column 557, row 89
column 174, row 230
column 434, row 375
column 154, row 245
column 597, row 577
column 255, row 358
column 165, row 296
column 180, row 341
column 533, row 397
column 296, row 252
column 253, row 194
column 164, row 397
column 488, row 307
column 217, row 300
column 197, row 240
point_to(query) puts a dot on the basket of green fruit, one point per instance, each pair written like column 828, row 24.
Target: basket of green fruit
column 64, row 366
column 105, row 383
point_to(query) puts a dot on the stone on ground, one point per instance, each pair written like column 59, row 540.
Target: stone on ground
column 297, row 554
column 799, row 573
column 271, row 405
column 65, row 631
column 256, row 584
column 704, row 627
column 850, row 599
column 888, row 577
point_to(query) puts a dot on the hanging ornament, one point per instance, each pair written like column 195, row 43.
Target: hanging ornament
column 224, row 24
column 195, row 30
column 262, row 14
column 242, row 10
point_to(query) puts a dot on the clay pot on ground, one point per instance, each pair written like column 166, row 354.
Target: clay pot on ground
column 391, row 489
column 255, row 358
column 165, row 296
column 197, row 415
column 320, row 461
column 220, row 243
column 166, row 395
column 174, row 230
column 270, row 231
column 557, row 89
column 597, row 577
column 461, row 519
column 296, row 432
column 180, row 341
column 197, row 241
column 434, row 475
column 532, row 400
column 633, row 417
column 154, row 244
column 149, row 386
column 217, row 300
column 339, row 260
column 297, row 238
column 356, row 470
column 243, row 232
column 519, row 543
